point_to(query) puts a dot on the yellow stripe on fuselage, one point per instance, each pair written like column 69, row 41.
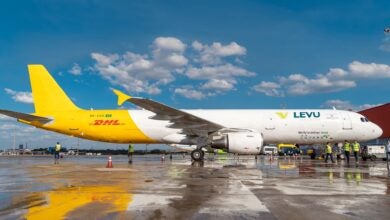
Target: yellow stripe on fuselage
column 115, row 126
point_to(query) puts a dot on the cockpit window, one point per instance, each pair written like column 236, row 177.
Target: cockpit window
column 366, row 119
column 362, row 119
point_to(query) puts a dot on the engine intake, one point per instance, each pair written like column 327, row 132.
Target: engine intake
column 239, row 142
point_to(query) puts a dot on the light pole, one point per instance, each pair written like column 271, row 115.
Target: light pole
column 13, row 148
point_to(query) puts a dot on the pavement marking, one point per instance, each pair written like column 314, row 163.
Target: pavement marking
column 329, row 186
column 237, row 199
column 150, row 201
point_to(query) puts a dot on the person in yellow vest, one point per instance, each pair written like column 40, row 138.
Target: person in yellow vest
column 328, row 151
column 57, row 150
column 356, row 149
column 347, row 150
column 130, row 153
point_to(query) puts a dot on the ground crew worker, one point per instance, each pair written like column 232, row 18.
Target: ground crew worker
column 328, row 151
column 347, row 150
column 356, row 149
column 57, row 150
column 130, row 153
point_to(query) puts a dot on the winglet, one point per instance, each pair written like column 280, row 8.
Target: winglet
column 122, row 97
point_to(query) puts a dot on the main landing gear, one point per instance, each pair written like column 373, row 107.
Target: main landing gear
column 197, row 154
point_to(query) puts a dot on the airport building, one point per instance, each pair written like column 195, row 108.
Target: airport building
column 380, row 116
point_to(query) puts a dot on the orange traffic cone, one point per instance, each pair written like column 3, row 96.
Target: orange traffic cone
column 109, row 163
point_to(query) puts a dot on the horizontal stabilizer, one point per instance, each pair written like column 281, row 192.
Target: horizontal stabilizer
column 25, row 117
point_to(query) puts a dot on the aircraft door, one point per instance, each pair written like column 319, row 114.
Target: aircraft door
column 347, row 123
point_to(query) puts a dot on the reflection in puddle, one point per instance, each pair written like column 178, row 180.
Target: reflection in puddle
column 59, row 203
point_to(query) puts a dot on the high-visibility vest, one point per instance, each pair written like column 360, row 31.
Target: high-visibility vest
column 131, row 148
column 328, row 149
column 347, row 146
column 356, row 147
column 58, row 147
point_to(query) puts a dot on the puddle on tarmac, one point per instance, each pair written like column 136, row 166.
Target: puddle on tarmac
column 65, row 202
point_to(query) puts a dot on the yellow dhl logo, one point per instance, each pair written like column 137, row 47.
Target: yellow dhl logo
column 282, row 115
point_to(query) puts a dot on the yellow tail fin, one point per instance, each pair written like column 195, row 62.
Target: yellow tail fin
column 48, row 95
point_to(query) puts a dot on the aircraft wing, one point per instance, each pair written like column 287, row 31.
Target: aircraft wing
column 188, row 123
column 25, row 117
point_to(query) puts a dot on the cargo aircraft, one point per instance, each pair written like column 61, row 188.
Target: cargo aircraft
column 234, row 130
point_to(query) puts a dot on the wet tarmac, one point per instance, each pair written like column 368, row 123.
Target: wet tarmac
column 32, row 187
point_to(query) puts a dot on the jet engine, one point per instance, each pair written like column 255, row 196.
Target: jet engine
column 238, row 142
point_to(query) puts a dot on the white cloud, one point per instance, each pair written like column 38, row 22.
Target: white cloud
column 197, row 45
column 220, row 78
column 169, row 43
column 219, row 84
column 190, row 93
column 369, row 70
column 212, row 54
column 338, row 104
column 76, row 69
column 269, row 89
column 141, row 73
column 298, row 84
column 147, row 73
column 346, row 105
column 105, row 60
column 336, row 79
column 321, row 84
column 23, row 97
column 223, row 71
column 168, row 52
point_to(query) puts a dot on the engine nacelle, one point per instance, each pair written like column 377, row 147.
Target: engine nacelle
column 239, row 142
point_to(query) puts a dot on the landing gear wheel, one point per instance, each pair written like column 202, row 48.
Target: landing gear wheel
column 197, row 155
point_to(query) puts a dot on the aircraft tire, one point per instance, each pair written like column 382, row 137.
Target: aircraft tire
column 197, row 155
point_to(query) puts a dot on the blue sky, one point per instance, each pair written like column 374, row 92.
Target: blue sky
column 196, row 54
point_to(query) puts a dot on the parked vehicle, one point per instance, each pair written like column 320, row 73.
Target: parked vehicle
column 267, row 150
column 373, row 152
column 287, row 149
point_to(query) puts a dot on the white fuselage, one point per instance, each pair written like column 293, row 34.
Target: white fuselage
column 276, row 126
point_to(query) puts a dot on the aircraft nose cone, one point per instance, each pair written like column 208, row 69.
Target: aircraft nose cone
column 377, row 131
